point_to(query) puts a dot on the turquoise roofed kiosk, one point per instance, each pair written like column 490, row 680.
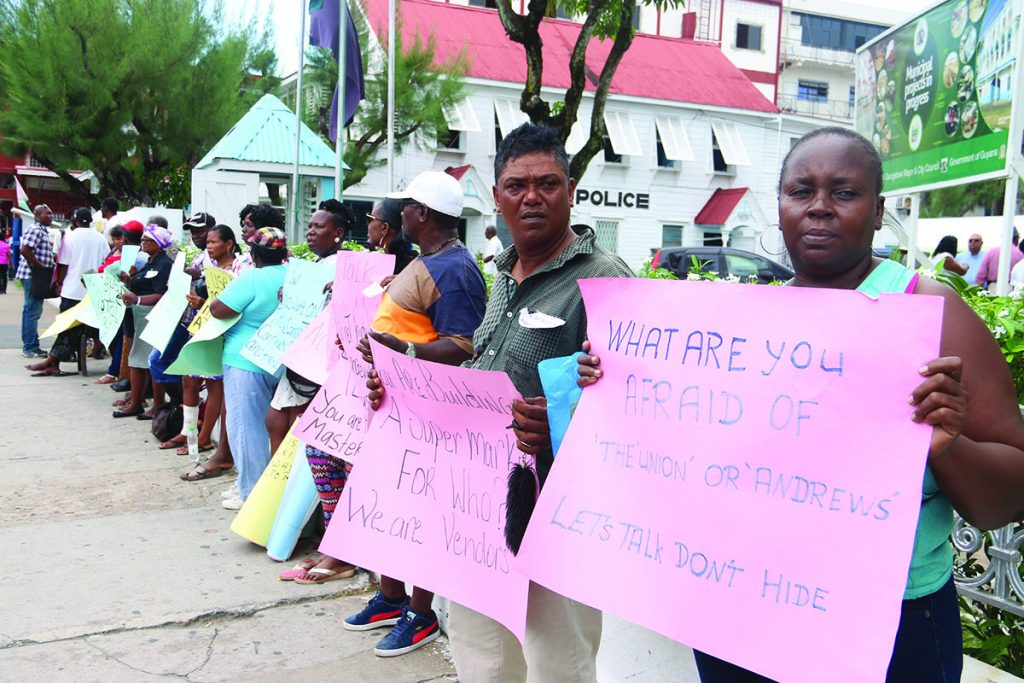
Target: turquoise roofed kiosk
column 253, row 163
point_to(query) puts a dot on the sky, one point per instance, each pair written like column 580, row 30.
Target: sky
column 284, row 15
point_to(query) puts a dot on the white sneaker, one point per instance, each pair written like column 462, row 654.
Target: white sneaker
column 234, row 503
column 230, row 493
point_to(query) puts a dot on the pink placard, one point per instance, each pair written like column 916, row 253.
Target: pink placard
column 427, row 506
column 351, row 309
column 336, row 420
column 748, row 468
column 310, row 352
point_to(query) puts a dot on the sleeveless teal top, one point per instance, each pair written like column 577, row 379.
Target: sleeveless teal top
column 931, row 564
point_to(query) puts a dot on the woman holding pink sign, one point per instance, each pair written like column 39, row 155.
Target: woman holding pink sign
column 830, row 207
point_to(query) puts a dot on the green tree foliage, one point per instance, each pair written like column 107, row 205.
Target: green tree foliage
column 962, row 199
column 602, row 20
column 135, row 90
column 421, row 86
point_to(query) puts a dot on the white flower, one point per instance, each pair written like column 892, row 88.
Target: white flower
column 693, row 276
column 733, row 278
column 1003, row 313
column 998, row 331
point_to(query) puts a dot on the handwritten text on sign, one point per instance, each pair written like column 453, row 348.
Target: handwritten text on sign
column 302, row 297
column 429, row 506
column 744, row 456
column 337, row 418
column 105, row 292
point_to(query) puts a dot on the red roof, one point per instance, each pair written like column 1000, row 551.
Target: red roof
column 720, row 206
column 458, row 171
column 672, row 69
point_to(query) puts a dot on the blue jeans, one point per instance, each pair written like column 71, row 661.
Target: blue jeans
column 159, row 362
column 929, row 646
column 30, row 314
column 247, row 398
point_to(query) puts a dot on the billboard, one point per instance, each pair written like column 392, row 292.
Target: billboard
column 935, row 95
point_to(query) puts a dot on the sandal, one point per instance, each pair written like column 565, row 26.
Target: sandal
column 199, row 472
column 51, row 373
column 321, row 575
column 173, row 443
column 105, row 379
column 183, row 450
column 128, row 413
column 298, row 570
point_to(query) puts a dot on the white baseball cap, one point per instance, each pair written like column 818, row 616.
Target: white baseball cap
column 436, row 190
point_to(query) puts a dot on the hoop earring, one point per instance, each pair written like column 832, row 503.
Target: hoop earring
column 760, row 241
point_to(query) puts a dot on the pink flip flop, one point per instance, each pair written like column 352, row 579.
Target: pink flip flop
column 298, row 570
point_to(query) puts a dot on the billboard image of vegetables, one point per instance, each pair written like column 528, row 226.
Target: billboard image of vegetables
column 934, row 96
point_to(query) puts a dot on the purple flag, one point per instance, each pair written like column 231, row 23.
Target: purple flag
column 323, row 32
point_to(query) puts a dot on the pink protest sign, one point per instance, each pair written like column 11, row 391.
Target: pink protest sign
column 428, row 506
column 747, row 455
column 310, row 353
column 337, row 418
column 353, row 305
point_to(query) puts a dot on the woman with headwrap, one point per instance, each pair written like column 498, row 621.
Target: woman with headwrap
column 145, row 288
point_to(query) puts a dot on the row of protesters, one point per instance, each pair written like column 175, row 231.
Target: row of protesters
column 219, row 249
column 146, row 286
column 83, row 251
column 240, row 388
column 248, row 389
column 384, row 224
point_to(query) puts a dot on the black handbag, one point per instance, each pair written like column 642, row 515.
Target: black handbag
column 168, row 420
column 42, row 285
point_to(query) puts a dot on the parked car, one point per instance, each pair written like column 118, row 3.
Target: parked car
column 722, row 260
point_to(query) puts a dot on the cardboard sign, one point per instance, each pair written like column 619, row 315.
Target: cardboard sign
column 79, row 314
column 353, row 305
column 337, row 417
column 216, row 281
column 309, row 354
column 256, row 518
column 203, row 354
column 302, row 298
column 746, row 455
column 166, row 314
column 105, row 291
column 428, row 506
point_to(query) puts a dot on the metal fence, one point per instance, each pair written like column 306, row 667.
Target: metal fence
column 987, row 567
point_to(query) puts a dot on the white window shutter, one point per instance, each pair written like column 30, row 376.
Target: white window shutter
column 674, row 139
column 461, row 116
column 509, row 115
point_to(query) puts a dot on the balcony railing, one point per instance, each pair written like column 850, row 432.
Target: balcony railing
column 793, row 51
column 835, row 110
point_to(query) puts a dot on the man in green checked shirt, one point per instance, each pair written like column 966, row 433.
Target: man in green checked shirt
column 535, row 312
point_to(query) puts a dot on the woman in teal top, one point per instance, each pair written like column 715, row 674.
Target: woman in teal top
column 247, row 388
column 830, row 207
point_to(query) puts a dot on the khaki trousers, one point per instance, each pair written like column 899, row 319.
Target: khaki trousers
column 562, row 637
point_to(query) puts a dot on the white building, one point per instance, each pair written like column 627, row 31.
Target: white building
column 683, row 122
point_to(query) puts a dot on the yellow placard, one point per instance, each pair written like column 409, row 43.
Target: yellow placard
column 216, row 281
column 256, row 518
column 79, row 314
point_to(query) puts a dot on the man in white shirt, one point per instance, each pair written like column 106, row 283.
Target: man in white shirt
column 492, row 248
column 84, row 250
column 971, row 258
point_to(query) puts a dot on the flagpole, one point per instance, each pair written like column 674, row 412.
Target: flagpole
column 392, row 11
column 339, row 142
column 298, row 123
